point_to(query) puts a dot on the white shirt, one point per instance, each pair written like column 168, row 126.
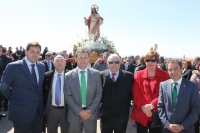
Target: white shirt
column 178, row 85
column 54, row 88
column 116, row 74
column 30, row 68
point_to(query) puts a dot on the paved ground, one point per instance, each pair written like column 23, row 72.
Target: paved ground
column 7, row 127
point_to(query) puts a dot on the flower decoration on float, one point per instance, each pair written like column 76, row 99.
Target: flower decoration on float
column 101, row 45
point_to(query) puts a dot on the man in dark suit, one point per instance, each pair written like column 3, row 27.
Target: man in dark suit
column 116, row 96
column 83, row 93
column 129, row 66
column 5, row 60
column 22, row 84
column 48, row 62
column 53, row 93
column 178, row 103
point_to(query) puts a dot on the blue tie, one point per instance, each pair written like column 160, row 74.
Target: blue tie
column 34, row 74
column 49, row 65
column 58, row 90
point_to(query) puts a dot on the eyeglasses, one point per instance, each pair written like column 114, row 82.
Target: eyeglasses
column 48, row 55
column 112, row 62
column 152, row 60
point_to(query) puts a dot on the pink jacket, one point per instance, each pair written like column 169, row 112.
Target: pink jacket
column 196, row 78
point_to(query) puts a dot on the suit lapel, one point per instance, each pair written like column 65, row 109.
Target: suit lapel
column 40, row 73
column 181, row 92
column 106, row 78
column 89, row 80
column 76, row 81
column 26, row 71
column 51, row 76
column 169, row 90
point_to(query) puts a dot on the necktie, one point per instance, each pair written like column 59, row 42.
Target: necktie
column 83, row 88
column 113, row 77
column 33, row 73
column 49, row 65
column 174, row 93
column 58, row 90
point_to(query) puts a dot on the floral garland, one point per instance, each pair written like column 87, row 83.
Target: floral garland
column 100, row 45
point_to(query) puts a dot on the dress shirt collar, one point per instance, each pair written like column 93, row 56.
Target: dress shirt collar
column 28, row 62
column 179, row 81
column 79, row 70
column 62, row 73
column 116, row 74
column 48, row 61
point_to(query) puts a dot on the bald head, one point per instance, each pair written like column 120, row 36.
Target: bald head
column 113, row 56
column 59, row 63
column 113, row 63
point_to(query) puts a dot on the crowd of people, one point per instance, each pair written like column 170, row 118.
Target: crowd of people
column 153, row 93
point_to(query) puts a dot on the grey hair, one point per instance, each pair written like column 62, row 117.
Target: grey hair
column 171, row 60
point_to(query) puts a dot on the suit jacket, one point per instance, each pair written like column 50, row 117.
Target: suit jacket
column 141, row 93
column 25, row 96
column 73, row 95
column 186, row 112
column 124, row 86
column 47, row 67
column 131, row 67
column 5, row 60
column 99, row 66
column 47, row 92
column 187, row 73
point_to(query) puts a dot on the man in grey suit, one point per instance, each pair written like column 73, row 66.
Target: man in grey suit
column 55, row 106
column 178, row 104
column 101, row 64
column 83, row 93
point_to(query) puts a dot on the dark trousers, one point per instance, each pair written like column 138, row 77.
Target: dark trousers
column 113, row 123
column 33, row 127
column 196, row 126
column 5, row 103
column 143, row 129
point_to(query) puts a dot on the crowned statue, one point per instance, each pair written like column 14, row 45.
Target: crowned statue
column 93, row 22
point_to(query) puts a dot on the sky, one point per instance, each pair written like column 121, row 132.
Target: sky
column 134, row 26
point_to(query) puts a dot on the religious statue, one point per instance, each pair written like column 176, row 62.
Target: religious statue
column 155, row 48
column 93, row 22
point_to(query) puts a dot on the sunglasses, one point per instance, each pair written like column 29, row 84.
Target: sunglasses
column 48, row 55
column 150, row 60
column 112, row 62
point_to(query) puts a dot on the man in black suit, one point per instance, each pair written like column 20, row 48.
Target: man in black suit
column 53, row 92
column 128, row 66
column 5, row 60
column 48, row 62
column 116, row 96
